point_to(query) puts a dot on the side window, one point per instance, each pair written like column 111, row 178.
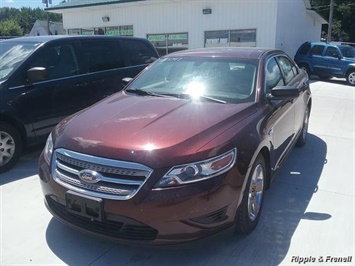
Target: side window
column 60, row 61
column 287, row 68
column 139, row 52
column 332, row 51
column 304, row 48
column 317, row 50
column 102, row 55
column 273, row 75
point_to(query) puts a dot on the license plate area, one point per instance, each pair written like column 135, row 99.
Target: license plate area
column 84, row 206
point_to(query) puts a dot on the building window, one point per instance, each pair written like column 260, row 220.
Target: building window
column 118, row 30
column 166, row 43
column 74, row 31
column 230, row 38
column 126, row 30
column 87, row 31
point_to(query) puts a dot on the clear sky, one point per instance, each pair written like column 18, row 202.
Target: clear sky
column 26, row 3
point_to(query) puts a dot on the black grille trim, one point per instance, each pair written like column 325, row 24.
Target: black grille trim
column 213, row 217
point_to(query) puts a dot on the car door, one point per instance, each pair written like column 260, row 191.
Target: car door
column 334, row 64
column 280, row 124
column 61, row 93
column 293, row 78
column 317, row 61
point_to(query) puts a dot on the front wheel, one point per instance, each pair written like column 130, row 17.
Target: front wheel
column 350, row 77
column 248, row 213
column 301, row 141
column 10, row 147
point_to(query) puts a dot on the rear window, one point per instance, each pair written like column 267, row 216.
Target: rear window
column 304, row 48
column 140, row 52
column 102, row 55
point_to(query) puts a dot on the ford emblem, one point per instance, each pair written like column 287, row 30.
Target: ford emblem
column 89, row 176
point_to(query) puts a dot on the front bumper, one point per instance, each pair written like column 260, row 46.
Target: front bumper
column 172, row 215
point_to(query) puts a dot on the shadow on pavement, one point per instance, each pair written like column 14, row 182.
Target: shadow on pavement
column 285, row 206
column 24, row 167
column 338, row 81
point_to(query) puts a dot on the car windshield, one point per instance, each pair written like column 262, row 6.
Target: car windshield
column 348, row 51
column 224, row 80
column 12, row 54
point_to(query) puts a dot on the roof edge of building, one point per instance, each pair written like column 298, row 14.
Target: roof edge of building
column 98, row 3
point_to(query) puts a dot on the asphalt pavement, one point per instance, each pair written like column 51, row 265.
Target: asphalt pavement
column 308, row 216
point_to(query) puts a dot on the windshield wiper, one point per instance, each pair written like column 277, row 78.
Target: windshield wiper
column 143, row 92
column 205, row 97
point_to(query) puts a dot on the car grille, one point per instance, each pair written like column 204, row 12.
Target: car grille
column 126, row 229
column 116, row 179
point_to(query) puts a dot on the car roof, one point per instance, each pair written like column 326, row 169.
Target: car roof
column 238, row 52
column 330, row 44
column 48, row 38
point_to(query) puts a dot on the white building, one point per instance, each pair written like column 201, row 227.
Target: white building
column 185, row 24
column 41, row 28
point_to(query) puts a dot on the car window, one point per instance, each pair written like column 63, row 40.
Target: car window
column 102, row 55
column 304, row 48
column 317, row 49
column 60, row 61
column 13, row 54
column 273, row 75
column 348, row 51
column 332, row 51
column 139, row 52
column 288, row 68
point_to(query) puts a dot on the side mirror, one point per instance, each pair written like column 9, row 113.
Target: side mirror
column 36, row 74
column 126, row 81
column 283, row 92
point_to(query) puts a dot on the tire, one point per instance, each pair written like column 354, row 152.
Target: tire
column 248, row 213
column 10, row 147
column 350, row 77
column 306, row 69
column 301, row 141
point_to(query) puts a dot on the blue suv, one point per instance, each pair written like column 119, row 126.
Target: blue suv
column 327, row 60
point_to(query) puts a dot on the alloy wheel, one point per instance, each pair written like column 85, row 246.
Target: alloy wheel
column 351, row 78
column 7, row 148
column 256, row 192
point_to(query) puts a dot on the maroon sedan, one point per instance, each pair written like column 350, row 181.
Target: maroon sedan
column 186, row 150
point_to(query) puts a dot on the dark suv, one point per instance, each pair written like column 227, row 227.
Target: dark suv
column 327, row 60
column 46, row 78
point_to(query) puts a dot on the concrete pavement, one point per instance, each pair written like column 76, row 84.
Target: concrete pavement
column 308, row 214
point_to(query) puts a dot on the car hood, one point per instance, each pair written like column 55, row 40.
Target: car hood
column 149, row 130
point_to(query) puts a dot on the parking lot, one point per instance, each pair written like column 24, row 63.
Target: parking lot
column 308, row 216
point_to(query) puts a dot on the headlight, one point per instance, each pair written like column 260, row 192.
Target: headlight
column 48, row 149
column 194, row 172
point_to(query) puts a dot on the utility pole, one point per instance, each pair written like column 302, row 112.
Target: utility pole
column 46, row 2
column 330, row 25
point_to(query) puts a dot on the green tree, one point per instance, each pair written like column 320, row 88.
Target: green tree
column 10, row 27
column 343, row 18
column 25, row 17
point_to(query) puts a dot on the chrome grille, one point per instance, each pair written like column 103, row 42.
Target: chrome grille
column 118, row 179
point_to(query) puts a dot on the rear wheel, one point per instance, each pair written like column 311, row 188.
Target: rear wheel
column 350, row 77
column 10, row 147
column 248, row 213
column 306, row 69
